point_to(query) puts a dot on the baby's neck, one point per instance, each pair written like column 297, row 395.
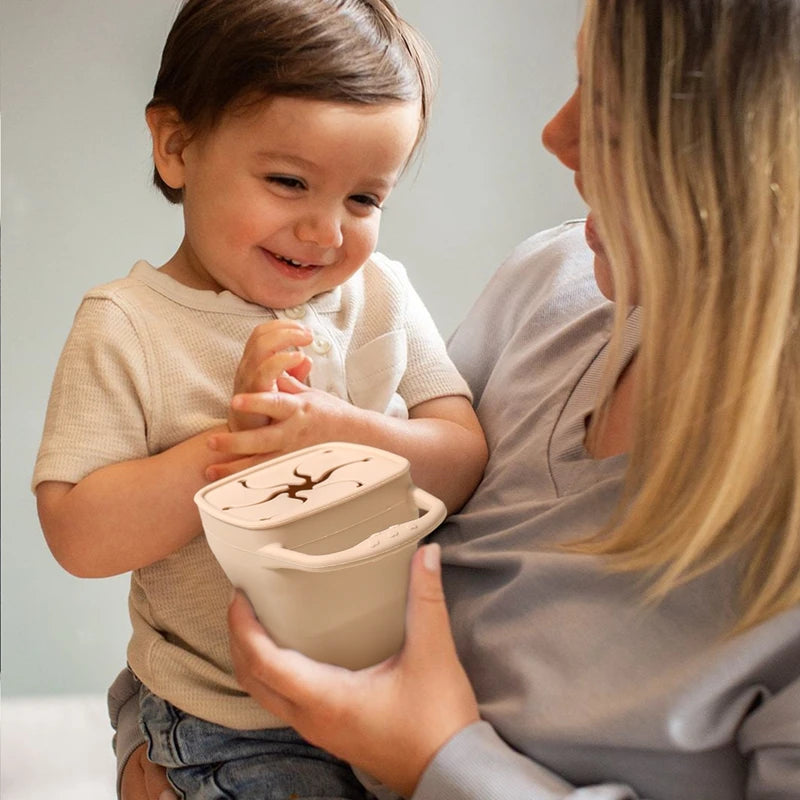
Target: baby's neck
column 182, row 268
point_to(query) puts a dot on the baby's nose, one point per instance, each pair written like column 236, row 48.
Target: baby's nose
column 321, row 229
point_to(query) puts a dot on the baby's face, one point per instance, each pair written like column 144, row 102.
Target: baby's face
column 282, row 200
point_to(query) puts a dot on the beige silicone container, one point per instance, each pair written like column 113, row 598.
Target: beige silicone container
column 320, row 541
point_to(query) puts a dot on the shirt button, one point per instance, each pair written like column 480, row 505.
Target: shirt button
column 295, row 312
column 320, row 345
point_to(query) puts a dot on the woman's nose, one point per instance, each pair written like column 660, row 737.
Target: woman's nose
column 562, row 135
column 322, row 228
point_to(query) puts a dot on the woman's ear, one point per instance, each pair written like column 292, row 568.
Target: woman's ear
column 170, row 137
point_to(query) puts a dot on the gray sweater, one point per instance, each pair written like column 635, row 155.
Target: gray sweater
column 580, row 684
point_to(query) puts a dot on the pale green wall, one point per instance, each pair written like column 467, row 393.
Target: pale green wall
column 78, row 210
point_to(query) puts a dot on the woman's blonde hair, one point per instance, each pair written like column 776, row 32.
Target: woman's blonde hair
column 691, row 159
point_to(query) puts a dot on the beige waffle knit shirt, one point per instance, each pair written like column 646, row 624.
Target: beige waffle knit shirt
column 150, row 362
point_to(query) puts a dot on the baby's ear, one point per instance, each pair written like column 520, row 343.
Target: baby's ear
column 169, row 139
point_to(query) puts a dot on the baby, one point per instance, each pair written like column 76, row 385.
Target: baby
column 281, row 126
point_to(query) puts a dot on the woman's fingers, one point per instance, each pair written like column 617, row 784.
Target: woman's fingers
column 285, row 681
column 427, row 620
column 423, row 689
column 430, row 656
column 263, row 669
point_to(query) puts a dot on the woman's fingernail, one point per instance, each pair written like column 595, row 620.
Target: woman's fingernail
column 167, row 795
column 432, row 557
column 213, row 443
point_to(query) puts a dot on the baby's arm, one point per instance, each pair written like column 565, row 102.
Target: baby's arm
column 118, row 467
column 444, row 442
column 126, row 515
column 442, row 437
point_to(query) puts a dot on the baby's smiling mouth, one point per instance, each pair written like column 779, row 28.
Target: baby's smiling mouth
column 290, row 261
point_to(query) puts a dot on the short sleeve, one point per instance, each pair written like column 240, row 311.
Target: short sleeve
column 100, row 398
column 430, row 372
column 515, row 295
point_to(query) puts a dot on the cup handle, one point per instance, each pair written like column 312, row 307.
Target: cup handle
column 395, row 537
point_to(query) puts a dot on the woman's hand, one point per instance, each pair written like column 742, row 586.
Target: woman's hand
column 144, row 780
column 390, row 719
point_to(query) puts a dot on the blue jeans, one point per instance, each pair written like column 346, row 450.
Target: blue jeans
column 205, row 761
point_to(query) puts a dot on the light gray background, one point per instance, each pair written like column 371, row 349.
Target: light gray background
column 78, row 210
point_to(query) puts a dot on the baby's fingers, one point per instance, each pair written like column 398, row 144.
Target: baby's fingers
column 272, row 337
column 278, row 406
column 262, row 376
column 278, row 334
column 258, row 442
column 227, row 468
column 302, row 370
column 269, row 407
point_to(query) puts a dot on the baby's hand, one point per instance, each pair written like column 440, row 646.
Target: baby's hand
column 299, row 416
column 271, row 351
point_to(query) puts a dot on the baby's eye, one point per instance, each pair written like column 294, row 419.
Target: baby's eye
column 286, row 181
column 366, row 200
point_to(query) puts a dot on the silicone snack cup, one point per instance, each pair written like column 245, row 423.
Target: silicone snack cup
column 320, row 541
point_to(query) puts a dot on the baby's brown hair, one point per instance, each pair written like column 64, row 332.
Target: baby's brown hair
column 220, row 53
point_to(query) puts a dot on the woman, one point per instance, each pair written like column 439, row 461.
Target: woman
column 624, row 586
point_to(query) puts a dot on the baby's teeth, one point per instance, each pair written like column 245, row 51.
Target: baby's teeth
column 291, row 261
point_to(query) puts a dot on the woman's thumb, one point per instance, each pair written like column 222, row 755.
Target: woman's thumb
column 427, row 623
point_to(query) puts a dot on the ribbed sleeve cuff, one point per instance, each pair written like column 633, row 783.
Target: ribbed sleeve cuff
column 476, row 764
